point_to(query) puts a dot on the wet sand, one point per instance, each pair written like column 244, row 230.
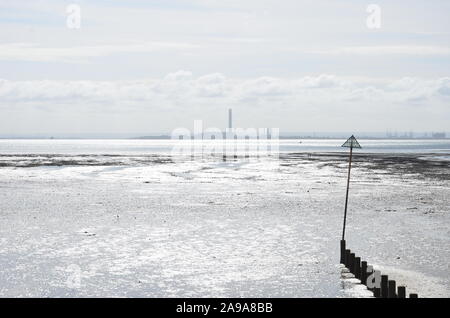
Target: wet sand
column 212, row 228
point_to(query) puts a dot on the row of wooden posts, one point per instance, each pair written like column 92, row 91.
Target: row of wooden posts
column 359, row 268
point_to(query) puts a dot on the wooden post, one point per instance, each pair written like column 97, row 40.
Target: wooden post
column 384, row 286
column 364, row 272
column 348, row 186
column 350, row 143
column 401, row 290
column 377, row 292
column 352, row 263
column 342, row 251
column 358, row 267
column 391, row 289
column 413, row 296
column 347, row 259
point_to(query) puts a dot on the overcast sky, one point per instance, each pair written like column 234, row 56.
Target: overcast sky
column 151, row 66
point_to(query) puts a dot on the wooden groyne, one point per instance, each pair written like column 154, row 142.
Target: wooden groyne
column 380, row 285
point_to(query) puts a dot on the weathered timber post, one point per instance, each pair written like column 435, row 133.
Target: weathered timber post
column 377, row 292
column 364, row 272
column 347, row 258
column 384, row 286
column 391, row 289
column 342, row 251
column 357, row 267
column 401, row 291
column 350, row 143
column 352, row 263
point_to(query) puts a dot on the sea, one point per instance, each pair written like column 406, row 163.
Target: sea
column 133, row 218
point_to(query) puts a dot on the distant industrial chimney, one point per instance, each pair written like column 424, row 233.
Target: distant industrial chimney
column 230, row 118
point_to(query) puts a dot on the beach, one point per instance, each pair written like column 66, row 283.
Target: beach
column 126, row 219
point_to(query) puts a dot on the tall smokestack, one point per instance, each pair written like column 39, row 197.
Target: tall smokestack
column 230, row 118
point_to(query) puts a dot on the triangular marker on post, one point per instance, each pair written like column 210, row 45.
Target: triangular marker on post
column 351, row 143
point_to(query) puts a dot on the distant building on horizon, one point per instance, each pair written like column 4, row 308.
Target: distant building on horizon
column 230, row 118
column 438, row 135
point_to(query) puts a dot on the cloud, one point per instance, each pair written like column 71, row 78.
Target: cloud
column 179, row 75
column 387, row 50
column 265, row 87
column 321, row 81
column 322, row 102
column 35, row 53
column 369, row 93
column 212, row 85
column 444, row 86
column 184, row 87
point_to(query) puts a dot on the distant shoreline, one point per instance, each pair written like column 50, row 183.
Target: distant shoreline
column 163, row 137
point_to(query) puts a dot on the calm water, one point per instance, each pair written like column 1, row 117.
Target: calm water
column 142, row 147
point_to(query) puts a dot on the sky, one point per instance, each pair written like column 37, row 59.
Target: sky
column 143, row 67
